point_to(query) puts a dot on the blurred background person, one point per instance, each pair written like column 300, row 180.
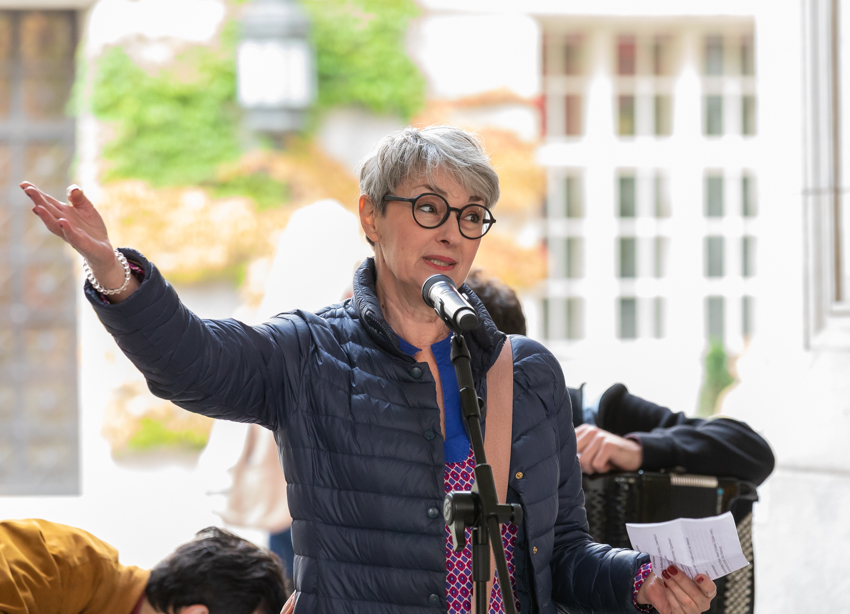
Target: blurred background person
column 326, row 236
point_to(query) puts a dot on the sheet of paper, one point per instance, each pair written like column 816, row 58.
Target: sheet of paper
column 695, row 545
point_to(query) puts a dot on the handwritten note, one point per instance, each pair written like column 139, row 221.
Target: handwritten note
column 707, row 546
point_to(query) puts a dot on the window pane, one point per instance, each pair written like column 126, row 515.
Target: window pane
column 5, row 36
column 572, row 56
column 714, row 115
column 47, row 164
column 8, row 354
column 658, row 319
column 714, row 318
column 38, row 349
column 713, row 55
column 47, row 50
column 575, row 206
column 748, row 115
column 47, row 35
column 748, row 203
column 47, row 403
column 748, row 64
column 573, row 123
column 714, row 256
column 5, row 56
column 628, row 257
column 748, row 255
column 5, row 164
column 628, row 318
column 575, row 257
column 626, row 115
column 48, row 286
column 661, row 56
column 575, row 318
column 626, row 55
column 661, row 247
column 714, row 196
column 661, row 195
column 747, row 306
column 45, row 95
column 663, row 115
column 627, row 197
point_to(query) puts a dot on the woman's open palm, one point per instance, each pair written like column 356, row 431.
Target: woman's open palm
column 77, row 222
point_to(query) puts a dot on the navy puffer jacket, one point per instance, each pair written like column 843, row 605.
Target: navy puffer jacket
column 358, row 426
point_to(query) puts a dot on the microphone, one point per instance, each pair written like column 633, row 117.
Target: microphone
column 440, row 292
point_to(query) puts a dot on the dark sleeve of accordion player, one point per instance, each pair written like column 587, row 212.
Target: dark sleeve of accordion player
column 719, row 446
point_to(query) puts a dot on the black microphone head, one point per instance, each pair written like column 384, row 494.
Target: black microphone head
column 429, row 283
column 468, row 321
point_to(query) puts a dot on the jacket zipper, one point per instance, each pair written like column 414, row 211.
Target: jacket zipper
column 527, row 577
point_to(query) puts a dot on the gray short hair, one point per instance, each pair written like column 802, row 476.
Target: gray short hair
column 413, row 151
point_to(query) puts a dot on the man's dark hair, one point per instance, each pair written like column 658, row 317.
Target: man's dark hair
column 222, row 571
column 500, row 301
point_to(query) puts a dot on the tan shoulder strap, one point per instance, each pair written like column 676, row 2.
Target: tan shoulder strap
column 497, row 440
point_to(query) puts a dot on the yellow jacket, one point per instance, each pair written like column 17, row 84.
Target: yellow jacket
column 49, row 568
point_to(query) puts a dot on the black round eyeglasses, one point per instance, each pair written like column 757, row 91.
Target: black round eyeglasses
column 432, row 210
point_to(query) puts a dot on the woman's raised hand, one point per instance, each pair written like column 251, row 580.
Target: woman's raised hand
column 79, row 224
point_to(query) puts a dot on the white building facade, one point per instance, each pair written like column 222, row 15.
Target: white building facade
column 650, row 145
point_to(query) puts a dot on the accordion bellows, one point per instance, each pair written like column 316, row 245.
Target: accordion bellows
column 614, row 499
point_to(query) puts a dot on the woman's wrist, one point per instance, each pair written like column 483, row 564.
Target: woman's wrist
column 114, row 281
column 109, row 279
column 638, row 594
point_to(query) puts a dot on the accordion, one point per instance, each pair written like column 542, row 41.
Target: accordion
column 614, row 499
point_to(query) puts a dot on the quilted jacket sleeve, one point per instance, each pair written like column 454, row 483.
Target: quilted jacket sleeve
column 219, row 368
column 718, row 446
column 586, row 576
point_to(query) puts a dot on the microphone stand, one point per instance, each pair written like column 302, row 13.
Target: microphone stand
column 480, row 507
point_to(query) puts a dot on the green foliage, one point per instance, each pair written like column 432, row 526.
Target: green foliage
column 173, row 127
column 266, row 192
column 155, row 433
column 361, row 58
column 178, row 126
column 717, row 378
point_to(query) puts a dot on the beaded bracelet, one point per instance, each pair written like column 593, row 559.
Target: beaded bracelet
column 96, row 284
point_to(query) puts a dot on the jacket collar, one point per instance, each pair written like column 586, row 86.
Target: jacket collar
column 484, row 343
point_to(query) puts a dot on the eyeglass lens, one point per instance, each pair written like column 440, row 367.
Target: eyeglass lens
column 430, row 210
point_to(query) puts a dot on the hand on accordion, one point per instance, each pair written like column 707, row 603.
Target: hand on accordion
column 600, row 451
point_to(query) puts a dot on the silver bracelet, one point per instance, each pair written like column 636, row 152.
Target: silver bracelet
column 96, row 284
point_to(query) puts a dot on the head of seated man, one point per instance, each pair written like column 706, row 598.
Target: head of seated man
column 216, row 573
column 500, row 301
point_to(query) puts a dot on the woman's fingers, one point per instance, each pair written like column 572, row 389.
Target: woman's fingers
column 659, row 596
column 82, row 226
column 41, row 199
column 49, row 220
column 692, row 596
column 78, row 199
column 80, row 241
column 45, row 198
column 673, row 585
column 707, row 586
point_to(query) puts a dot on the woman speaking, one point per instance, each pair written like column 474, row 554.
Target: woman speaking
column 365, row 407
